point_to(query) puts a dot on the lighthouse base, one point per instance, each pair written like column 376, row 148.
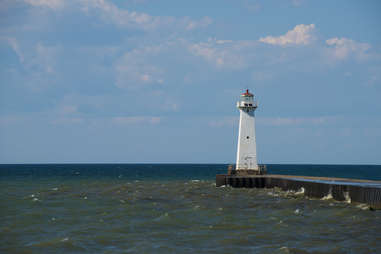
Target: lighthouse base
column 242, row 172
column 262, row 170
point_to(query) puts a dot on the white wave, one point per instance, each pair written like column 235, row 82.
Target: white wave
column 300, row 191
column 273, row 194
column 328, row 196
column 162, row 217
column 284, row 249
column 363, row 206
column 347, row 197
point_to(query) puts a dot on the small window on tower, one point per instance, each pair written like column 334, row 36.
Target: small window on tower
column 247, row 137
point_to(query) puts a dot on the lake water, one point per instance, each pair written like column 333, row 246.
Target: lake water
column 175, row 208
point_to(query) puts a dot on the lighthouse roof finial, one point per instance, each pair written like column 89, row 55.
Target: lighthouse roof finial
column 247, row 93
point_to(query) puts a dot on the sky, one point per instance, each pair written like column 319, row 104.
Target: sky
column 156, row 81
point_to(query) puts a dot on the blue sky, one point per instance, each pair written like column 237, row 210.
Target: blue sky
column 157, row 80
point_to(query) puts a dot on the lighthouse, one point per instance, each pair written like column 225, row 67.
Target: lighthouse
column 247, row 148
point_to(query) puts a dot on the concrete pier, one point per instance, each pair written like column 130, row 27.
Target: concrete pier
column 351, row 190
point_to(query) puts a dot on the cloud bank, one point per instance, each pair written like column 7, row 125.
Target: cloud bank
column 300, row 35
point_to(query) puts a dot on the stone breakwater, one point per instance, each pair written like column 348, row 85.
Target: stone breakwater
column 340, row 189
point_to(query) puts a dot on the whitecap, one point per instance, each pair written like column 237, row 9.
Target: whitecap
column 363, row 206
column 161, row 217
column 285, row 249
column 347, row 197
column 328, row 196
column 300, row 191
column 273, row 194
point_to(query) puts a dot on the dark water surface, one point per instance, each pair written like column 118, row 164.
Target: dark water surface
column 175, row 208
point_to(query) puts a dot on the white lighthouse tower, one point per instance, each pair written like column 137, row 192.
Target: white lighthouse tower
column 247, row 150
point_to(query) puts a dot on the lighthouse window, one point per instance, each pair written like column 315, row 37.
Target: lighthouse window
column 247, row 137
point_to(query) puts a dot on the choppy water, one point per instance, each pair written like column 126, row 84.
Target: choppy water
column 174, row 209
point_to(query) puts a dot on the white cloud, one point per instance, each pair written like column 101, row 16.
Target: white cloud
column 297, row 3
column 170, row 105
column 46, row 57
column 110, row 12
column 374, row 76
column 135, row 68
column 136, row 120
column 224, row 54
column 38, row 63
column 53, row 4
column 300, row 35
column 281, row 121
column 193, row 24
column 13, row 43
column 253, row 6
column 342, row 48
column 68, row 109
